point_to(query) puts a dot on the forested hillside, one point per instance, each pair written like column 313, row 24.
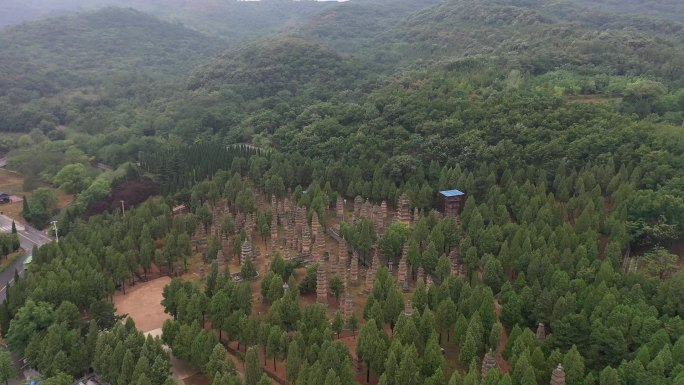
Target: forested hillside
column 230, row 19
column 666, row 9
column 47, row 64
column 562, row 123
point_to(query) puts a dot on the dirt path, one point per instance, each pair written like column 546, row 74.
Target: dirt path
column 504, row 366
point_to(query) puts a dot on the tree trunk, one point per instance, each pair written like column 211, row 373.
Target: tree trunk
column 368, row 374
column 274, row 364
column 123, row 286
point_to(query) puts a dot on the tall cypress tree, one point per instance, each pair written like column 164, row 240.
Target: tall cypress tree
column 25, row 210
column 252, row 367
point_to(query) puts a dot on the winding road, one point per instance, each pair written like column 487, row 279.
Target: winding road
column 28, row 236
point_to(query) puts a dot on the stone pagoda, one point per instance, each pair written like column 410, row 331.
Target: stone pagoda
column 290, row 241
column 401, row 275
column 319, row 245
column 339, row 208
column 428, row 281
column 421, row 273
column 370, row 279
column 403, row 209
column 365, row 209
column 321, row 285
column 558, row 376
column 355, row 269
column 220, row 258
column 541, row 332
column 306, row 242
column 315, row 225
column 408, row 308
column 488, row 362
column 376, row 260
column 456, row 265
column 348, row 308
column 246, row 251
column 274, row 234
column 342, row 256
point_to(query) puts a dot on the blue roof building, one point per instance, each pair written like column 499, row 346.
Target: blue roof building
column 452, row 202
column 452, row 193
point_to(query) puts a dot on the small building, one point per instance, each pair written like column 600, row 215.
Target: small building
column 451, row 202
column 89, row 380
column 5, row 198
column 180, row 209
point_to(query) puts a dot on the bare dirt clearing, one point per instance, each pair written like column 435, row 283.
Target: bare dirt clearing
column 142, row 302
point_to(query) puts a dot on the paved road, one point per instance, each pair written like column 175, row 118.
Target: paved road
column 28, row 237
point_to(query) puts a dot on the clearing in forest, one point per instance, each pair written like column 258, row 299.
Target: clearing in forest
column 142, row 302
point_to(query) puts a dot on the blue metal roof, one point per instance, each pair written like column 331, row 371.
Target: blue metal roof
column 452, row 193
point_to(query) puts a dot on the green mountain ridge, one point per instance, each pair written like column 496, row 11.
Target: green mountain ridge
column 112, row 48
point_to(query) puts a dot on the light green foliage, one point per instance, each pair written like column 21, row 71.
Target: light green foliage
column 393, row 239
column 73, row 178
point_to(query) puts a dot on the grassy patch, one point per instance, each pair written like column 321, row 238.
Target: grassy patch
column 7, row 262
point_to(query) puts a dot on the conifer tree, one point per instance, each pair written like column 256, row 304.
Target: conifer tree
column 337, row 324
column 127, row 368
column 218, row 365
column 574, row 367
column 294, row 361
column 433, row 359
column 252, row 367
column 371, row 348
column 409, row 369
column 248, row 271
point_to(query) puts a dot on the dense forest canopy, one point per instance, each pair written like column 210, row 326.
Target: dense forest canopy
column 561, row 120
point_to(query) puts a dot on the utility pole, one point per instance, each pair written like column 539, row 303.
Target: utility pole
column 123, row 209
column 54, row 226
